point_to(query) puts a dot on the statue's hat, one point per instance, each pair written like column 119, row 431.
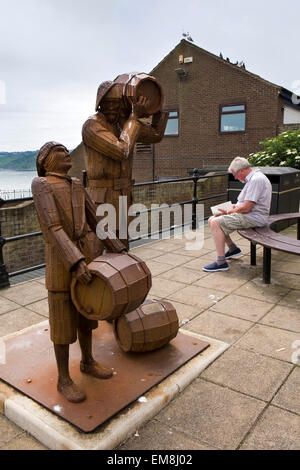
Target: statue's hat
column 43, row 154
column 104, row 87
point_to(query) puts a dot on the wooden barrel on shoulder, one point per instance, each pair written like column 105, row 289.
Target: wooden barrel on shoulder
column 151, row 326
column 144, row 85
column 120, row 284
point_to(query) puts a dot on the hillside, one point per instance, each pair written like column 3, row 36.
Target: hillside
column 18, row 160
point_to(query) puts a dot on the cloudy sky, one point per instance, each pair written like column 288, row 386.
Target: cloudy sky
column 55, row 53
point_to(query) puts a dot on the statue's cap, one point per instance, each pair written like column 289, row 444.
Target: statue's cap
column 104, row 87
column 43, row 154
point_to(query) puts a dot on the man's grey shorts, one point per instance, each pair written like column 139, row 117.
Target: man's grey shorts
column 230, row 223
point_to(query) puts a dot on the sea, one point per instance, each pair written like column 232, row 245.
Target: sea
column 16, row 184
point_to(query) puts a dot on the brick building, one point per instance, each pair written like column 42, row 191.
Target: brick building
column 218, row 110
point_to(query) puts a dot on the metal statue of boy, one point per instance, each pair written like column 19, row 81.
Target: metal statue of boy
column 68, row 221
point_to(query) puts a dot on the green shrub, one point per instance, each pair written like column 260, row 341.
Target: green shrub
column 283, row 150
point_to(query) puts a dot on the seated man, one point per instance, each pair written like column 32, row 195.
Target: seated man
column 252, row 210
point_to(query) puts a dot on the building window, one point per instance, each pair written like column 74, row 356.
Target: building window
column 233, row 118
column 172, row 127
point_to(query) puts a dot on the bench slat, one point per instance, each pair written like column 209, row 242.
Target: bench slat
column 277, row 236
column 279, row 217
column 267, row 237
column 275, row 244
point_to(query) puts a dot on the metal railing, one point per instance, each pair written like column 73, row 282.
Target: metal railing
column 12, row 194
column 4, row 275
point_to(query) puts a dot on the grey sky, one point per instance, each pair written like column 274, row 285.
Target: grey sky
column 55, row 53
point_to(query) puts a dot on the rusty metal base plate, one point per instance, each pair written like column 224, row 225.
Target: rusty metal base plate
column 31, row 368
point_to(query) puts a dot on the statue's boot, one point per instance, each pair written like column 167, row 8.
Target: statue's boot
column 96, row 370
column 71, row 392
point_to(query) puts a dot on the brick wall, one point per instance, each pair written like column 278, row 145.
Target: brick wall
column 287, row 127
column 210, row 82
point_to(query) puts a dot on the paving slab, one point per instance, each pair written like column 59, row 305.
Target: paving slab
column 276, row 430
column 41, row 307
column 197, row 296
column 287, row 267
column 55, row 433
column 146, row 253
column 6, row 305
column 292, row 299
column 186, row 312
column 288, row 396
column 182, row 274
column 164, row 287
column 192, row 253
column 290, row 257
column 225, row 281
column 284, row 318
column 23, row 442
column 165, row 245
column 41, row 280
column 17, row 320
column 25, row 293
column 256, row 289
column 198, row 263
column 157, row 268
column 8, row 430
column 208, row 409
column 272, row 342
column 241, row 269
column 173, row 259
column 242, row 307
column 158, row 436
column 219, row 326
column 249, row 373
column 291, row 281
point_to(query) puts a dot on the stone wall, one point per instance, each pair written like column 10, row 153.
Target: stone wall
column 182, row 191
column 18, row 219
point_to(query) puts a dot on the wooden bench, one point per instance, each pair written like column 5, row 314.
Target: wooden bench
column 269, row 239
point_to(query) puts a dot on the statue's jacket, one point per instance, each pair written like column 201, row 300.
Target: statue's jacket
column 108, row 166
column 67, row 217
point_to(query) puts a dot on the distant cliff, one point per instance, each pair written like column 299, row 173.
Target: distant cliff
column 18, row 160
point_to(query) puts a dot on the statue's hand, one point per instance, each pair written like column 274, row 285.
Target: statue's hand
column 139, row 106
column 82, row 273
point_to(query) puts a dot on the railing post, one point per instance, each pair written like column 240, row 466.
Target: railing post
column 195, row 199
column 4, row 279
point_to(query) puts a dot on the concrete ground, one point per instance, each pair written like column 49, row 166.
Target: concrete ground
column 248, row 398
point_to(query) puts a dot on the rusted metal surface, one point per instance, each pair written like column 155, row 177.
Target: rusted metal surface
column 135, row 374
column 149, row 327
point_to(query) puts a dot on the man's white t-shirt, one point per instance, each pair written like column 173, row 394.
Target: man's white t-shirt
column 257, row 189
